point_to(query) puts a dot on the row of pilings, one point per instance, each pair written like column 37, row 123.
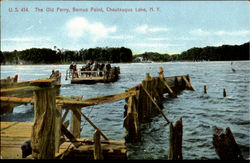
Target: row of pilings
column 148, row 102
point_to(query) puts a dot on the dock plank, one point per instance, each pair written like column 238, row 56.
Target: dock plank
column 13, row 134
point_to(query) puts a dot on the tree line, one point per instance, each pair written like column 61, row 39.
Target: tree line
column 122, row 55
column 60, row 56
column 209, row 53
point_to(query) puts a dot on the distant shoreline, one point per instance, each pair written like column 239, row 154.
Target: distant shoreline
column 119, row 63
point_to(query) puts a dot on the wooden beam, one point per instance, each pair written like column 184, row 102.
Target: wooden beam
column 14, row 85
column 16, row 99
column 68, row 101
column 189, row 86
column 43, row 82
column 96, row 100
column 169, row 89
column 156, row 105
column 19, row 91
column 92, row 124
column 71, row 137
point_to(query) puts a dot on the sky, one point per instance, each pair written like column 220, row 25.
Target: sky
column 143, row 26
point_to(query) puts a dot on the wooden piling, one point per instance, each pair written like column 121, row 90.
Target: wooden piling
column 98, row 154
column 205, row 89
column 157, row 91
column 43, row 133
column 131, row 122
column 175, row 141
column 224, row 92
column 147, row 103
column 226, row 146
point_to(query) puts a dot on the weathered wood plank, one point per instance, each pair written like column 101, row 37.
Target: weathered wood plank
column 13, row 134
column 69, row 101
column 43, row 132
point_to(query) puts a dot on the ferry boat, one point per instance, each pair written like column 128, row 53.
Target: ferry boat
column 93, row 77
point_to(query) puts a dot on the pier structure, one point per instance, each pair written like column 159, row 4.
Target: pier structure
column 52, row 137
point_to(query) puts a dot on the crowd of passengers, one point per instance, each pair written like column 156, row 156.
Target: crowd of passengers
column 90, row 66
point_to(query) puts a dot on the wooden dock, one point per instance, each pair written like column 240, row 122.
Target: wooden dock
column 49, row 133
column 13, row 134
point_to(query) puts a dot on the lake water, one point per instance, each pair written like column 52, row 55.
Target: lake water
column 199, row 111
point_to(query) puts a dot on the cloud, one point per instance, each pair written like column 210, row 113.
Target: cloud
column 29, row 28
column 199, row 32
column 26, row 39
column 171, row 38
column 145, row 29
column 233, row 33
column 121, row 37
column 79, row 27
column 157, row 29
column 158, row 39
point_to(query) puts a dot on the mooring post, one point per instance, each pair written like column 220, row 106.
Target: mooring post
column 175, row 141
column 75, row 127
column 98, row 155
column 157, row 91
column 43, row 132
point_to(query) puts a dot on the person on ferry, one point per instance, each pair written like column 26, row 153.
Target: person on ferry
column 94, row 68
column 101, row 68
column 58, row 77
column 107, row 69
column 75, row 72
column 53, row 74
column 71, row 67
